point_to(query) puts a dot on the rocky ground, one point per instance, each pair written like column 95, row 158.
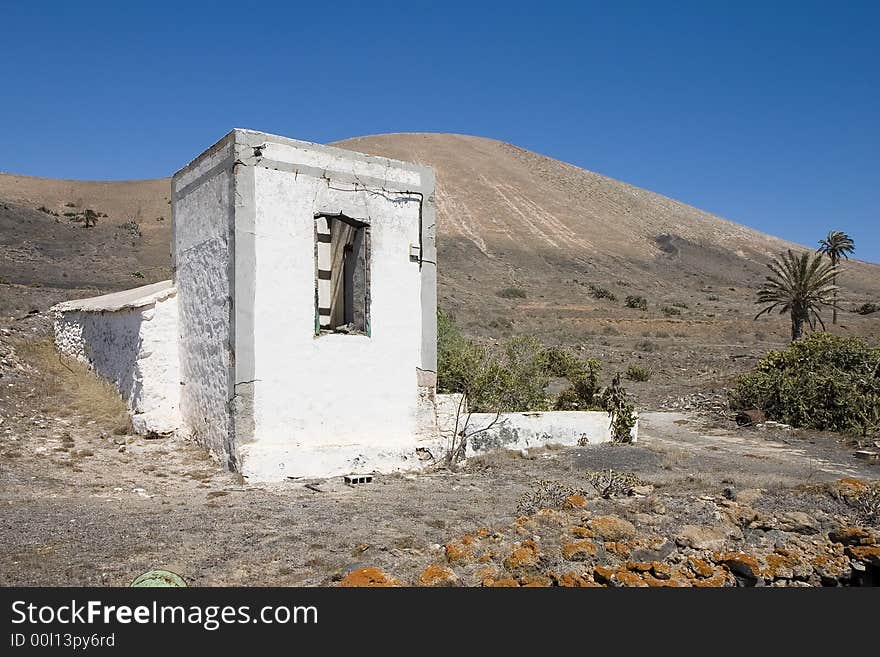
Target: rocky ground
column 698, row 501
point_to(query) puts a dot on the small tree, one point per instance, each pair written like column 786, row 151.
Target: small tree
column 799, row 285
column 836, row 245
column 621, row 412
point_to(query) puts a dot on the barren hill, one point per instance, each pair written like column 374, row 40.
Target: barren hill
column 512, row 218
column 522, row 238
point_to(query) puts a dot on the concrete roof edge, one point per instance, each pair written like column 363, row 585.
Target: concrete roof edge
column 242, row 135
column 137, row 297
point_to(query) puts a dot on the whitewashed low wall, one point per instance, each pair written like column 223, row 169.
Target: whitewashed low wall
column 523, row 430
column 129, row 338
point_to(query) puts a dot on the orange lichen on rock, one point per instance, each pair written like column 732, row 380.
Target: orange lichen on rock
column 580, row 531
column 574, row 502
column 661, row 570
column 487, row 572
column 700, row 567
column 505, row 582
column 626, row 578
column 458, row 552
column 535, row 581
column 524, row 556
column 603, row 574
column 549, row 517
column 866, row 554
column 572, row 580
column 612, row 528
column 578, row 550
column 368, row 577
column 438, row 576
column 851, row 536
column 618, row 548
column 638, row 566
column 739, row 563
column 718, row 580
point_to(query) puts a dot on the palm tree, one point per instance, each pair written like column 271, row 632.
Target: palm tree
column 838, row 244
column 799, row 285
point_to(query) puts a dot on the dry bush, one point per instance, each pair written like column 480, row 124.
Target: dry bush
column 66, row 386
column 544, row 495
column 609, row 483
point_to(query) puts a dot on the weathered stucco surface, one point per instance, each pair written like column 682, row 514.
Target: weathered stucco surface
column 523, row 430
column 201, row 214
column 333, row 389
column 265, row 393
column 130, row 339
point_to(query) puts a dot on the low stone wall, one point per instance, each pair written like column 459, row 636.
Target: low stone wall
column 129, row 338
column 524, row 430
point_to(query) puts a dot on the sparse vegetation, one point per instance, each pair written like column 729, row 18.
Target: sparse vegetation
column 515, row 376
column 671, row 311
column 867, row 308
column 544, row 495
column 638, row 373
column 600, row 292
column 46, row 210
column 637, row 302
column 611, row 483
column 821, row 382
column 64, row 385
column 647, row 346
column 90, row 218
column 137, row 274
column 799, row 285
column 512, row 293
column 132, row 226
column 610, row 330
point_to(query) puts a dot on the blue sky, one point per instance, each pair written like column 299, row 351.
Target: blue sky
column 765, row 112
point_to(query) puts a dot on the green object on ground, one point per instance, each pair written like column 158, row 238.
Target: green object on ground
column 159, row 578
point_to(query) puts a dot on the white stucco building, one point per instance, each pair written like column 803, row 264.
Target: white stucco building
column 298, row 337
column 303, row 326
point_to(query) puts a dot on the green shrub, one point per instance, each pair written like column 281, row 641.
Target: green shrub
column 638, row 373
column 670, row 311
column 512, row 293
column 821, row 382
column 637, row 302
column 513, row 379
column 867, row 308
column 583, row 376
column 600, row 292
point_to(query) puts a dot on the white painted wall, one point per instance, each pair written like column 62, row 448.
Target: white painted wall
column 134, row 346
column 316, row 394
column 523, row 430
column 201, row 259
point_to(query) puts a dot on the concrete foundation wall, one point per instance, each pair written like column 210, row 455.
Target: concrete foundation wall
column 133, row 347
